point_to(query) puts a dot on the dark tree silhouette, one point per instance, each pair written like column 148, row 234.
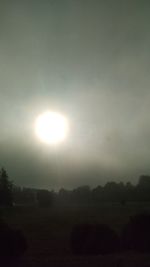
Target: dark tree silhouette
column 82, row 196
column 44, row 198
column 144, row 181
column 6, row 196
column 143, row 188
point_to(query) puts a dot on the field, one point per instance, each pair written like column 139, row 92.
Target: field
column 48, row 233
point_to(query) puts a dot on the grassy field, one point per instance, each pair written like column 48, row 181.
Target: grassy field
column 48, row 233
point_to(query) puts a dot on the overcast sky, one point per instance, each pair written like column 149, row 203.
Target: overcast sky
column 90, row 60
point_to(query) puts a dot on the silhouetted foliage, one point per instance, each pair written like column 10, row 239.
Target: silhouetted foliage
column 144, row 181
column 64, row 196
column 143, row 188
column 94, row 239
column 24, row 196
column 12, row 242
column 44, row 198
column 97, row 194
column 83, row 195
column 129, row 192
column 6, row 197
column 136, row 234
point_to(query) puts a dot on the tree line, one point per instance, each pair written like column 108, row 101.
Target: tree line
column 11, row 194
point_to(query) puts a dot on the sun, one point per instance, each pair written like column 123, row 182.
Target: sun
column 51, row 127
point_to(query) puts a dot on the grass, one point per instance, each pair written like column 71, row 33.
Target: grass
column 48, row 231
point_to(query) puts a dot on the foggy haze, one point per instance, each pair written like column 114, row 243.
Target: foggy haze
column 89, row 60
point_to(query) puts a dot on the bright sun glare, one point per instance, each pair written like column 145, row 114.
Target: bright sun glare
column 51, row 127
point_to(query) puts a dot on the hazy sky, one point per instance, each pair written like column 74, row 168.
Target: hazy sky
column 90, row 60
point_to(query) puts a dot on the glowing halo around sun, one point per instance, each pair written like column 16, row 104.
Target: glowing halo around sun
column 51, row 127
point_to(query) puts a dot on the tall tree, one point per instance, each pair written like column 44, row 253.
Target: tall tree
column 6, row 197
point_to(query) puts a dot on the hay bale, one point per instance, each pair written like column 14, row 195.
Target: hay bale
column 19, row 243
column 94, row 239
column 12, row 242
column 136, row 234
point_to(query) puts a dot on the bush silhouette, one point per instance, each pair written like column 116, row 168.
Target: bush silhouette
column 94, row 239
column 12, row 242
column 136, row 234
